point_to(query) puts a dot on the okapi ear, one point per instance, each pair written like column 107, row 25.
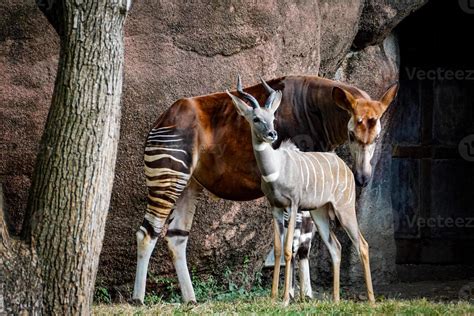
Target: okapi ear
column 241, row 106
column 388, row 97
column 273, row 106
column 344, row 99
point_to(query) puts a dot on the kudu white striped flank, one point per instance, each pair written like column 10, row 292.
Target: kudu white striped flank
column 319, row 182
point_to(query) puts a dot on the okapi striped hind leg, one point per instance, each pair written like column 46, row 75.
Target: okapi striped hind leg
column 168, row 164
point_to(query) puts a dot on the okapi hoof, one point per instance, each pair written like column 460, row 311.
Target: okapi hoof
column 136, row 302
column 306, row 298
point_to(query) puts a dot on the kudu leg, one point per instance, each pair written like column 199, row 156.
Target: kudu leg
column 321, row 219
column 288, row 252
column 348, row 220
column 180, row 223
column 364, row 256
column 278, row 229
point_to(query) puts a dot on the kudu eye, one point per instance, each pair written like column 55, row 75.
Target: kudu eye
column 256, row 119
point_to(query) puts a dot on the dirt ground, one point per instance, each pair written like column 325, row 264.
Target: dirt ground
column 431, row 290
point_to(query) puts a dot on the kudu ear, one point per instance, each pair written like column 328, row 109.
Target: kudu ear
column 242, row 107
column 344, row 99
column 275, row 103
column 388, row 97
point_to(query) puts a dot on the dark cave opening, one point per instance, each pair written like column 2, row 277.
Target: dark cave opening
column 433, row 139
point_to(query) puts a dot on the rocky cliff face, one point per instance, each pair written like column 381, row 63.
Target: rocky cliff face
column 180, row 49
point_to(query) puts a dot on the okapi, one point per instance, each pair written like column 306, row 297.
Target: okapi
column 319, row 182
column 181, row 156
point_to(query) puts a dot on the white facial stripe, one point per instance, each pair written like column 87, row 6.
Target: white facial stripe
column 260, row 147
column 368, row 152
column 378, row 127
column 350, row 125
column 271, row 177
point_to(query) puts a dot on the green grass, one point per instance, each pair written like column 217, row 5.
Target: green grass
column 234, row 286
column 263, row 305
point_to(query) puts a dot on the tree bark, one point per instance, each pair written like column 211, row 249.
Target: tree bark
column 72, row 182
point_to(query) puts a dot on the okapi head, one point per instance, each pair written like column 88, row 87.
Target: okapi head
column 363, row 127
column 260, row 118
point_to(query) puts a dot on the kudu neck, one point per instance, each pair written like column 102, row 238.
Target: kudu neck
column 268, row 159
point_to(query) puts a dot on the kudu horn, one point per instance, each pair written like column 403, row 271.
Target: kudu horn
column 245, row 95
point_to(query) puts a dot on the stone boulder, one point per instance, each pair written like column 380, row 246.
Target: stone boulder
column 340, row 22
column 379, row 18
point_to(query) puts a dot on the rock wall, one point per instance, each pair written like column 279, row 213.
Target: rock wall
column 179, row 49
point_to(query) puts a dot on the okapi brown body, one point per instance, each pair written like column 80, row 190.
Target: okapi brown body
column 201, row 142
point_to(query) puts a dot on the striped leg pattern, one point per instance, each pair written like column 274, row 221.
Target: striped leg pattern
column 168, row 164
column 303, row 235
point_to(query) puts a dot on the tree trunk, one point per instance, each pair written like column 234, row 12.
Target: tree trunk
column 72, row 182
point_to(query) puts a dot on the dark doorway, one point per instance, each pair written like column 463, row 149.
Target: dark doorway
column 433, row 157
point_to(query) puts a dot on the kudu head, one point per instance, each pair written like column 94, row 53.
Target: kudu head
column 364, row 127
column 260, row 118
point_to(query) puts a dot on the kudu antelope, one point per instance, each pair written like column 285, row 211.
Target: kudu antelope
column 181, row 156
column 291, row 180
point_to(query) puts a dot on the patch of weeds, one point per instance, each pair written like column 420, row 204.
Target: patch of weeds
column 102, row 295
column 236, row 285
column 169, row 287
column 206, row 289
column 153, row 299
column 243, row 288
